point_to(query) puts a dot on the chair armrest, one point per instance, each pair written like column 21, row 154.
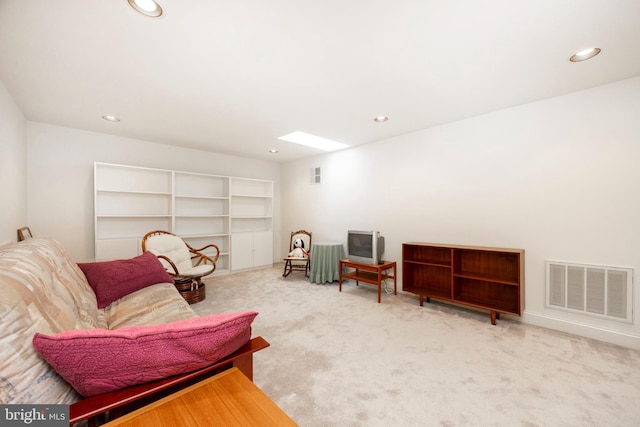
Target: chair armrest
column 210, row 245
column 96, row 405
column 166, row 258
column 200, row 256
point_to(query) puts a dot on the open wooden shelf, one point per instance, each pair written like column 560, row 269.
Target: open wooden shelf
column 481, row 277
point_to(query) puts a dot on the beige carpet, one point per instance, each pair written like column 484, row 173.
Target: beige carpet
column 341, row 359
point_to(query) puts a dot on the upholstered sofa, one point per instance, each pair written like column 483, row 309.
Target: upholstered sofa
column 101, row 336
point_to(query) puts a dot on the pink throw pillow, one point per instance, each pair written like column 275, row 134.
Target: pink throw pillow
column 111, row 280
column 97, row 361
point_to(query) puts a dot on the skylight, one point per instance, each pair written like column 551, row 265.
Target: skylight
column 309, row 140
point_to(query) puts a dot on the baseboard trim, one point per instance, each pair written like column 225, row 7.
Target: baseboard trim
column 589, row 331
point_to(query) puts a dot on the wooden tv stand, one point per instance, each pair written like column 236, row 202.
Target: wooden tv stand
column 368, row 273
column 481, row 277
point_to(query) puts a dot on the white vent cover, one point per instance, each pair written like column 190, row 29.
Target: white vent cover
column 315, row 175
column 605, row 292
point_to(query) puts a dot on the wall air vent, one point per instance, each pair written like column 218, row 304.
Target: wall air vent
column 315, row 175
column 604, row 292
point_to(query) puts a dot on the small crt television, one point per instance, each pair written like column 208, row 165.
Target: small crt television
column 365, row 247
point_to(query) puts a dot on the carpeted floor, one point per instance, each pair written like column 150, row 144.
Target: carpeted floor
column 341, row 359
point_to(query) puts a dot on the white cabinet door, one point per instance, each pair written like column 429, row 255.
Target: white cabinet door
column 262, row 248
column 251, row 249
column 241, row 251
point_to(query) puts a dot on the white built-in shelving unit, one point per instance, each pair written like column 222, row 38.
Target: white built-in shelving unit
column 234, row 213
column 251, row 223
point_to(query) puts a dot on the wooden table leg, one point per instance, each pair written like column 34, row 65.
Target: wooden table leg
column 395, row 284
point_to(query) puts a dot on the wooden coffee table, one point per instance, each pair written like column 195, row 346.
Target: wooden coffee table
column 226, row 399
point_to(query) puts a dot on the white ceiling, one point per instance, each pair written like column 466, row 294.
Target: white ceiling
column 231, row 76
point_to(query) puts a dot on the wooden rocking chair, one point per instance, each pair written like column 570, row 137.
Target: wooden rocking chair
column 294, row 263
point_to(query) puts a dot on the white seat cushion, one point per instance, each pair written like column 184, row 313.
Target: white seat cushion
column 173, row 248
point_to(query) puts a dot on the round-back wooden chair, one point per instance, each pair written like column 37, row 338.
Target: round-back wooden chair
column 299, row 263
column 186, row 264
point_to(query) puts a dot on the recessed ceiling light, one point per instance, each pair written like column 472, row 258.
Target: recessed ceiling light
column 583, row 55
column 381, row 119
column 313, row 141
column 273, row 151
column 146, row 7
column 111, row 118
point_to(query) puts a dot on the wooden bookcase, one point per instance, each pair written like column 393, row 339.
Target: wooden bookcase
column 481, row 277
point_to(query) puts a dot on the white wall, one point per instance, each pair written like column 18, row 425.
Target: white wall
column 60, row 165
column 558, row 178
column 13, row 168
